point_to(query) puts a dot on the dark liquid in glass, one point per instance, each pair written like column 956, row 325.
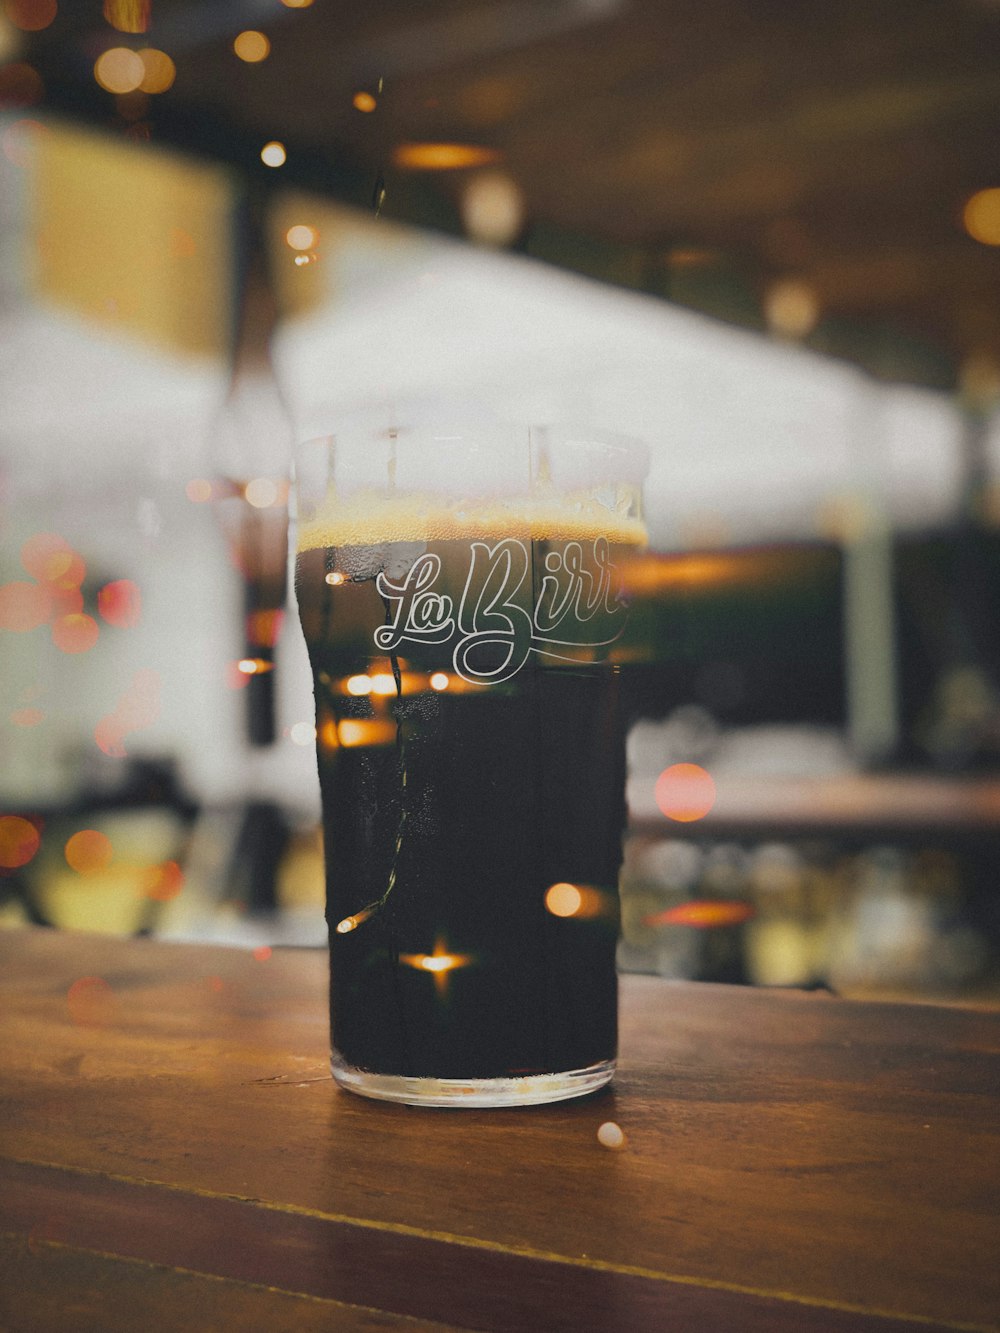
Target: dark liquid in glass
column 451, row 807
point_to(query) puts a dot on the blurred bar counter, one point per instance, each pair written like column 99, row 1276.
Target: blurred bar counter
column 174, row 1154
column 865, row 804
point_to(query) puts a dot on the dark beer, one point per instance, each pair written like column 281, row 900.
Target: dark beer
column 471, row 761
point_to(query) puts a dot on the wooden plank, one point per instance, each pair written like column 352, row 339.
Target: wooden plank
column 49, row 1286
column 476, row 1286
column 779, row 1145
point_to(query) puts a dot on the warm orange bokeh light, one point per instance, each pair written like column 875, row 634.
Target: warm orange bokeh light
column 19, row 841
column 703, row 914
column 163, row 882
column 254, row 666
column 120, row 603
column 264, row 627
column 981, row 216
column 685, row 792
column 355, row 733
column 119, row 70
column 301, row 236
column 128, row 15
column 50, row 559
column 563, row 899
column 88, row 851
column 75, row 633
column 252, row 46
column 159, row 70
column 440, row 964
column 262, row 952
column 274, row 154
column 443, row 156
column 582, row 901
column 24, row 606
column 364, row 102
column 30, row 15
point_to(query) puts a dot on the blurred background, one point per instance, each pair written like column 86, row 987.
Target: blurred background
column 765, row 239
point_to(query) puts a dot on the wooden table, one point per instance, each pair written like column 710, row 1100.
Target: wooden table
column 174, row 1155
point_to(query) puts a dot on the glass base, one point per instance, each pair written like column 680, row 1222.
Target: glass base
column 532, row 1090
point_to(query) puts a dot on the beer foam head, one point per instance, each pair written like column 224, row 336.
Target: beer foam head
column 426, row 479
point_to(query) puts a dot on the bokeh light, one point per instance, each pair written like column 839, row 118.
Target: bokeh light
column 19, row 841
column 128, row 15
column 356, row 732
column 563, row 899
column 198, row 490
column 49, row 558
column 235, row 678
column 296, row 4
column 159, row 71
column 75, row 633
column 302, row 733
column 981, row 216
column 301, row 236
column 363, row 101
column 252, row 46
column 359, row 685
column 703, row 914
column 163, row 882
column 383, row 682
column 791, row 308
column 273, row 154
column 27, row 717
column 582, row 901
column 20, row 85
column 30, row 15
column 685, row 792
column 24, row 606
column 492, row 208
column 443, row 156
column 264, row 627
column 262, row 952
column 91, row 1002
column 88, row 851
column 335, row 578
column 120, row 603
column 262, row 493
column 438, row 681
column 65, row 601
column 119, row 70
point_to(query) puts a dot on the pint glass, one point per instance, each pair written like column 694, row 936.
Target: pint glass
column 459, row 587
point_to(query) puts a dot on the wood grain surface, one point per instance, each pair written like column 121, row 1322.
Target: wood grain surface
column 171, row 1144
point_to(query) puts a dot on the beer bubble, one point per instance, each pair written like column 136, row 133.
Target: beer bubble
column 610, row 1135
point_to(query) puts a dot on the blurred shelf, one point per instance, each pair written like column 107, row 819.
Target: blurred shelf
column 869, row 805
